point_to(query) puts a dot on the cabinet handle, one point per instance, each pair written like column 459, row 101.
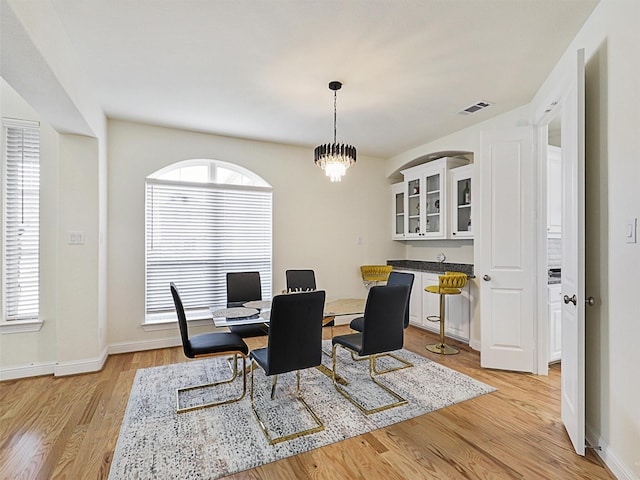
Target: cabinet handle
column 486, row 278
column 590, row 301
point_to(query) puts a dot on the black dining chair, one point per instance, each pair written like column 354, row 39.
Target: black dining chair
column 294, row 344
column 357, row 324
column 209, row 344
column 243, row 287
column 302, row 281
column 383, row 332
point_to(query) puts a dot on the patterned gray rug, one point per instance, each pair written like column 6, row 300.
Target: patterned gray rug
column 157, row 443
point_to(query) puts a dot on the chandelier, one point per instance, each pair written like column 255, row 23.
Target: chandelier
column 334, row 158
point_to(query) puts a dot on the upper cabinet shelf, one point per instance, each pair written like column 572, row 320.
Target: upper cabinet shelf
column 461, row 183
column 426, row 203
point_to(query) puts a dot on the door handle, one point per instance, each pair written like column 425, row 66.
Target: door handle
column 568, row 299
column 590, row 301
column 486, row 278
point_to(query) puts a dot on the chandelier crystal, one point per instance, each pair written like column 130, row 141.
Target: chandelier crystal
column 334, row 158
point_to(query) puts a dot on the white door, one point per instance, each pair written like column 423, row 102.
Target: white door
column 506, row 246
column 573, row 265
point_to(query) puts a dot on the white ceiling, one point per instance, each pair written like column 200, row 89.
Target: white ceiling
column 259, row 69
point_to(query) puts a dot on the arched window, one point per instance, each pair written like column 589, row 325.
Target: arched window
column 204, row 218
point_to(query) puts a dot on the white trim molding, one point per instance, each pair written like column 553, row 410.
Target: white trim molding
column 20, row 326
column 26, row 371
column 127, row 347
column 609, row 457
column 86, row 365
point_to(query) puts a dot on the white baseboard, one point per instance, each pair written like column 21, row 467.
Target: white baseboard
column 344, row 319
column 127, row 347
column 85, row 365
column 475, row 344
column 81, row 366
column 25, row 371
column 609, row 457
column 54, row 368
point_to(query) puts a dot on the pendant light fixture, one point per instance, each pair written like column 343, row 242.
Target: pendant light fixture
column 334, row 158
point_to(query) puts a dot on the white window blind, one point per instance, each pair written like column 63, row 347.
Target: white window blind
column 21, row 220
column 196, row 233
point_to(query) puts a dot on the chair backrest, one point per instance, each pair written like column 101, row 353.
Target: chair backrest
column 375, row 273
column 452, row 280
column 384, row 319
column 300, row 280
column 400, row 278
column 243, row 287
column 182, row 320
column 295, row 332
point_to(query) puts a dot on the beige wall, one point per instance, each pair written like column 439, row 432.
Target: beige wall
column 611, row 40
column 38, row 349
column 358, row 207
column 316, row 223
column 45, row 78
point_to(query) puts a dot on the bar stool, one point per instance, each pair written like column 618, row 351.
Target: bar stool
column 448, row 284
column 375, row 274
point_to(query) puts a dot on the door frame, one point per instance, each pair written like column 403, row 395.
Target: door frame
column 541, row 122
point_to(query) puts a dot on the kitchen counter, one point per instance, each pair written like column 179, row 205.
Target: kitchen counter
column 432, row 267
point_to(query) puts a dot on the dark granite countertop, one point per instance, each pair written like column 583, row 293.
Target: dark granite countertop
column 432, row 267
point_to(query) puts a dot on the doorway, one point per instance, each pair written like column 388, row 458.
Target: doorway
column 554, row 237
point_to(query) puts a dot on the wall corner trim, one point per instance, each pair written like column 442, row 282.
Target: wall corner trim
column 81, row 366
column 608, row 456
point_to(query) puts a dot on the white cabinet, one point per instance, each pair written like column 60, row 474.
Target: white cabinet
column 426, row 196
column 423, row 304
column 460, row 201
column 554, row 191
column 398, row 215
column 555, row 322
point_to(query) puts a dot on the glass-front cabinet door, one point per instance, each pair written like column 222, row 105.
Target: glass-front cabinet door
column 461, row 204
column 433, row 202
column 414, row 215
column 426, row 200
column 398, row 220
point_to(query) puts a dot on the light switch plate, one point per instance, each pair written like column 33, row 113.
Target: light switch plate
column 75, row 238
column 632, row 228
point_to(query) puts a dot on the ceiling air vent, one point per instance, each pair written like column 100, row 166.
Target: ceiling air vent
column 474, row 108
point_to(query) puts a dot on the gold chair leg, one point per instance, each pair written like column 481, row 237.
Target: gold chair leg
column 441, row 347
column 372, row 359
column 405, row 363
column 223, row 402
column 272, row 441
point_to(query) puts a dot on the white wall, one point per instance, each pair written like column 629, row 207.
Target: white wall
column 316, row 223
column 37, row 349
column 611, row 39
column 38, row 62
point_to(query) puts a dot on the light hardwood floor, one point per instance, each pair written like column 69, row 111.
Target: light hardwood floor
column 67, row 427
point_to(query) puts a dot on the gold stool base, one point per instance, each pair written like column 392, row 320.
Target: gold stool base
column 442, row 349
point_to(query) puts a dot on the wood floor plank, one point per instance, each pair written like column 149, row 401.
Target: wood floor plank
column 67, row 428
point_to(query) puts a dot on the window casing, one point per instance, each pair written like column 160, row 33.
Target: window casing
column 198, row 230
column 21, row 221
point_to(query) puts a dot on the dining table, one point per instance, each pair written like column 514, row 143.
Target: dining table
column 259, row 312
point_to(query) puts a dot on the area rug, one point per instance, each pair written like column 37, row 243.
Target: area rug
column 157, row 443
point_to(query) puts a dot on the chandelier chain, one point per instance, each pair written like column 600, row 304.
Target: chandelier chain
column 335, row 116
